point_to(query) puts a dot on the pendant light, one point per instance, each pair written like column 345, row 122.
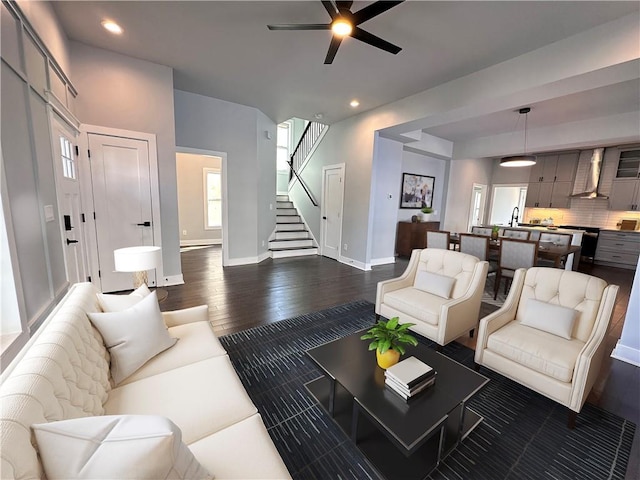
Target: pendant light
column 523, row 160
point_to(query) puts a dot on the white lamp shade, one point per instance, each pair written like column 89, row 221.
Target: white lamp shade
column 137, row 259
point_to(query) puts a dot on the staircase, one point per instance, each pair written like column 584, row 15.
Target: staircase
column 291, row 238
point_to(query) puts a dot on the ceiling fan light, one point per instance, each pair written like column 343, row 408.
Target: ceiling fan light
column 341, row 27
column 518, row 161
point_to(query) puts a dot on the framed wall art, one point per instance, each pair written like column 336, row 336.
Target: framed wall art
column 417, row 191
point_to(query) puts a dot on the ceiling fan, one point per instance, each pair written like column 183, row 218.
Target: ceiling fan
column 345, row 23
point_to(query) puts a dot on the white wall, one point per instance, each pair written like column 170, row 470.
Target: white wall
column 266, row 160
column 385, row 198
column 210, row 124
column 463, row 174
column 504, row 200
column 191, row 199
column 628, row 347
column 122, row 92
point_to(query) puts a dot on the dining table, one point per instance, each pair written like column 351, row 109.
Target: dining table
column 546, row 250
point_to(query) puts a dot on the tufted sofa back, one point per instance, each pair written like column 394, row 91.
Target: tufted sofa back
column 451, row 264
column 62, row 373
column 568, row 289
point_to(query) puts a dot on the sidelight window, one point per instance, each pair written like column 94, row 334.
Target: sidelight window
column 213, row 198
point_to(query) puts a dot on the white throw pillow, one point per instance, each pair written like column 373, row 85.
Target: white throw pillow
column 133, row 336
column 554, row 319
column 117, row 303
column 434, row 283
column 116, row 446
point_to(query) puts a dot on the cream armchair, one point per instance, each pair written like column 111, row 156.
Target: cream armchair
column 549, row 334
column 440, row 291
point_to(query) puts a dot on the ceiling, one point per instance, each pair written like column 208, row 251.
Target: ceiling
column 224, row 50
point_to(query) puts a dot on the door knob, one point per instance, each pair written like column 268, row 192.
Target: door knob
column 144, row 224
column 324, row 218
column 69, row 242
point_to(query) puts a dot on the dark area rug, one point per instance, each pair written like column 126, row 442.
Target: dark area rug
column 523, row 435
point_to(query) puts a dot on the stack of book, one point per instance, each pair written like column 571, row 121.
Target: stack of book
column 409, row 377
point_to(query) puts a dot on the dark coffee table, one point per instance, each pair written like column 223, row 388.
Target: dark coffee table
column 401, row 439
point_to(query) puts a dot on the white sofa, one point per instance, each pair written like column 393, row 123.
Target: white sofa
column 437, row 318
column 63, row 373
column 550, row 334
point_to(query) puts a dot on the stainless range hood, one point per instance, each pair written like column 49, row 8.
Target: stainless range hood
column 593, row 177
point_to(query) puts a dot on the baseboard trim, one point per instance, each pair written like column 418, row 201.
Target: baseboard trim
column 354, row 263
column 626, row 354
column 204, row 241
column 172, row 280
column 382, row 261
column 234, row 262
column 263, row 256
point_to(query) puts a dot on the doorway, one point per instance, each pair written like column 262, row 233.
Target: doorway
column 124, row 201
column 478, row 204
column 504, row 200
column 331, row 210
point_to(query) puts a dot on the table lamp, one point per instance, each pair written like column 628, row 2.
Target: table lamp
column 138, row 260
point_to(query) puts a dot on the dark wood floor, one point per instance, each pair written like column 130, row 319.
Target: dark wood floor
column 247, row 296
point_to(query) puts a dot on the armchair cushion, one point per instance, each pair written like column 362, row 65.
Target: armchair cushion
column 434, row 283
column 543, row 352
column 416, row 303
column 549, row 318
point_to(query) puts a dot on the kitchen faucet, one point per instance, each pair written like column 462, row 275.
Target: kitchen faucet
column 514, row 217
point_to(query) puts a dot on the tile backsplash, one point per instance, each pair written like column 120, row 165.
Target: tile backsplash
column 583, row 212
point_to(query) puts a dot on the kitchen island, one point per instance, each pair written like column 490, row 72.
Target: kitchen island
column 576, row 239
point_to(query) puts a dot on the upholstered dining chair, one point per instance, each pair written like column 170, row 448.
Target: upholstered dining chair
column 558, row 239
column 550, row 334
column 438, row 239
column 440, row 292
column 478, row 246
column 514, row 254
column 484, row 231
column 518, row 234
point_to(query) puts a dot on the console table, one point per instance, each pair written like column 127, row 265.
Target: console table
column 410, row 236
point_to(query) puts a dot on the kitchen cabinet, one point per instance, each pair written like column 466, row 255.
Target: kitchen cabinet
column 551, row 181
column 410, row 236
column 618, row 249
column 554, row 168
column 548, row 195
column 625, row 194
column 625, row 189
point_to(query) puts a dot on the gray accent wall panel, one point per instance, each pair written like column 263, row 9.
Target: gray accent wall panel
column 36, row 65
column 10, row 38
column 47, row 190
column 23, row 194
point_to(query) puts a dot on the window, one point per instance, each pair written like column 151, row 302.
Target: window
column 283, row 142
column 68, row 162
column 212, row 198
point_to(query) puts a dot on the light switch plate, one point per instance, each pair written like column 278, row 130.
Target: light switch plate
column 48, row 213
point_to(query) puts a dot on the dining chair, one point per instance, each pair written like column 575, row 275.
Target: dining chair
column 517, row 234
column 557, row 239
column 484, row 231
column 438, row 239
column 478, row 246
column 514, row 254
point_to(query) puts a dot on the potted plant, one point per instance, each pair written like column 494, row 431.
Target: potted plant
column 388, row 338
column 495, row 230
column 427, row 211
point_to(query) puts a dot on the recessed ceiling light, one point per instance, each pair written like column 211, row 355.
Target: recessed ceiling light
column 318, row 116
column 112, row 26
column 354, row 103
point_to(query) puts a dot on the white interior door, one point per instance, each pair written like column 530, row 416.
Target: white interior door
column 120, row 176
column 69, row 205
column 332, row 199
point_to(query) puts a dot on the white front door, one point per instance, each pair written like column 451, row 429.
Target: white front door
column 69, row 205
column 121, row 183
column 332, row 197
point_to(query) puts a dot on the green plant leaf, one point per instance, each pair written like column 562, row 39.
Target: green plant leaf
column 392, row 324
column 373, row 345
column 400, row 349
